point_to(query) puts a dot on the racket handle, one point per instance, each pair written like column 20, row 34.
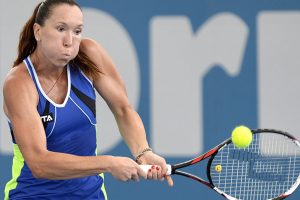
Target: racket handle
column 146, row 168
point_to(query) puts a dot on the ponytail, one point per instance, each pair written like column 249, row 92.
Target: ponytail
column 27, row 42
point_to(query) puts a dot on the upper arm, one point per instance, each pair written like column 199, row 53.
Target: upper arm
column 109, row 84
column 20, row 101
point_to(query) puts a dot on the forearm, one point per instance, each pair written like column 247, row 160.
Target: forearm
column 52, row 165
column 132, row 130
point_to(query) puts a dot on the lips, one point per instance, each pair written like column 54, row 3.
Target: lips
column 65, row 57
column 66, row 54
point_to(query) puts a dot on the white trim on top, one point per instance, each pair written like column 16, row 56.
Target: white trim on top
column 87, row 78
column 29, row 72
column 83, row 111
column 43, row 92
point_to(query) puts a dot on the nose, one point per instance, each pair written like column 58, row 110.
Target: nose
column 68, row 39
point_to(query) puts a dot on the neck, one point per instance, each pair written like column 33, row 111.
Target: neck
column 44, row 67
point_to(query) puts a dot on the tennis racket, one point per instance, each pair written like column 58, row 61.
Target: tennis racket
column 268, row 169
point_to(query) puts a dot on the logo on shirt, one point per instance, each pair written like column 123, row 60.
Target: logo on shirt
column 47, row 118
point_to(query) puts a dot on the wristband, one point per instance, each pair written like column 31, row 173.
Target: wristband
column 141, row 154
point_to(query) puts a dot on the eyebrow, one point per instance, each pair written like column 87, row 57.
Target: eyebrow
column 64, row 23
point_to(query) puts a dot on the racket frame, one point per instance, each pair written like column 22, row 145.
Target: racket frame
column 211, row 154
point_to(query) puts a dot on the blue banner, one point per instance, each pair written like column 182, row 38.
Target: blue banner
column 194, row 70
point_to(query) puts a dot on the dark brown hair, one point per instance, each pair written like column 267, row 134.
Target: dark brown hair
column 27, row 42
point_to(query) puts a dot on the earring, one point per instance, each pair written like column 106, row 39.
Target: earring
column 37, row 39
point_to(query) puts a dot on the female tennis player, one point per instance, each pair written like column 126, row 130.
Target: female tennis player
column 49, row 99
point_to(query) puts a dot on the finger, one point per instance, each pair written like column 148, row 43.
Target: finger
column 158, row 172
column 164, row 170
column 126, row 178
column 154, row 172
column 163, row 174
column 149, row 174
column 169, row 181
column 135, row 177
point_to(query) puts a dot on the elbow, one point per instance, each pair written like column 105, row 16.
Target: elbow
column 38, row 172
column 38, row 167
column 123, row 111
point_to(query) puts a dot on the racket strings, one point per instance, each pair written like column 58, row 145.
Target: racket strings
column 269, row 167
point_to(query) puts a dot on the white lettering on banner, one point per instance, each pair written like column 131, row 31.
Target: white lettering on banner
column 113, row 36
column 279, row 70
column 179, row 61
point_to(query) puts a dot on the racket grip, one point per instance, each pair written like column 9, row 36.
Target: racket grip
column 146, row 168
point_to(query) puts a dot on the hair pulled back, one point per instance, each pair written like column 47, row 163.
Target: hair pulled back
column 28, row 44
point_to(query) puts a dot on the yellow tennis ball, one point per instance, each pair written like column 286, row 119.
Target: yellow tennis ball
column 218, row 168
column 241, row 137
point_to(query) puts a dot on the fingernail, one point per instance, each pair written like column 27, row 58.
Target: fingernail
column 157, row 168
column 164, row 175
column 149, row 170
column 153, row 167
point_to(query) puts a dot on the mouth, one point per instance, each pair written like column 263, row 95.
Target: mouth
column 66, row 55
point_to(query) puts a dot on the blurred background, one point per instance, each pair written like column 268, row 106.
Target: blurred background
column 194, row 70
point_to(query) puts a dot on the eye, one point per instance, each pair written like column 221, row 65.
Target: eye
column 78, row 31
column 60, row 28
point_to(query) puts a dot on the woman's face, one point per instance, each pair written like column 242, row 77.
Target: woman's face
column 60, row 36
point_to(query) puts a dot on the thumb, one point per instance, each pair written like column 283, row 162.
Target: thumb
column 170, row 181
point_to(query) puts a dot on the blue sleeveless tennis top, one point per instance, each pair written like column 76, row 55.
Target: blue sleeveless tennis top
column 70, row 128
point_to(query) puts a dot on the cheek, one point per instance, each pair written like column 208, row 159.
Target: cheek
column 51, row 43
column 76, row 44
column 50, row 49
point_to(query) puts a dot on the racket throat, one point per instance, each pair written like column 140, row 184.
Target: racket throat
column 224, row 194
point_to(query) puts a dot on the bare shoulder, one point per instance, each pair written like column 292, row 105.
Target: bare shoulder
column 95, row 51
column 18, row 85
column 17, row 77
column 98, row 55
column 90, row 46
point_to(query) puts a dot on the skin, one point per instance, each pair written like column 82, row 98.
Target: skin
column 58, row 42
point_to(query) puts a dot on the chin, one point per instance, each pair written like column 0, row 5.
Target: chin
column 60, row 63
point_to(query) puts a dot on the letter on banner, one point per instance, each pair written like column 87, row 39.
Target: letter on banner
column 115, row 40
column 279, row 70
column 180, row 59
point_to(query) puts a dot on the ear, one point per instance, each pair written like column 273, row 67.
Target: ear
column 37, row 31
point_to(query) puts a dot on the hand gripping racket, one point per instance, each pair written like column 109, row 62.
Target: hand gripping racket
column 268, row 169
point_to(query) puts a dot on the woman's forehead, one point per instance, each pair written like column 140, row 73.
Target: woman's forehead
column 69, row 14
